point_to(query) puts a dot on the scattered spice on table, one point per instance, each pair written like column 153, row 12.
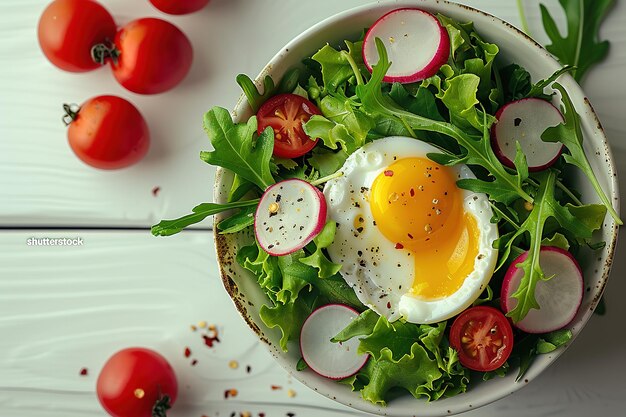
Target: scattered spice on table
column 187, row 352
column 155, row 191
column 194, row 362
column 275, row 387
column 84, row 371
column 291, row 393
column 230, row 393
column 233, row 364
column 248, row 369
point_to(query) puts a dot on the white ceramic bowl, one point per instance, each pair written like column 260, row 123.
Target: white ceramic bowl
column 514, row 47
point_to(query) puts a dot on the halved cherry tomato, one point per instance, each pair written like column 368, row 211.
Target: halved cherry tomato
column 285, row 113
column 483, row 337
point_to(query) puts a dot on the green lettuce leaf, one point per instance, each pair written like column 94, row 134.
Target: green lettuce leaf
column 504, row 187
column 318, row 259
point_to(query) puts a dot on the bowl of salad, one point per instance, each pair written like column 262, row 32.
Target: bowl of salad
column 416, row 207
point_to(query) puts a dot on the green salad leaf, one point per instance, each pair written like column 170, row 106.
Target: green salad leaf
column 581, row 46
column 237, row 148
column 570, row 134
column 200, row 212
column 545, row 207
column 504, row 187
column 318, row 260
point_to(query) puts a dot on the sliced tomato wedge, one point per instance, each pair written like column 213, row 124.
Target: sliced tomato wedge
column 483, row 338
column 285, row 113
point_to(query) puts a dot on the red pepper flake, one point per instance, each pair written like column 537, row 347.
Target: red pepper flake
column 155, row 191
column 276, row 387
column 261, row 414
column 83, row 371
column 194, row 362
column 399, row 246
column 388, row 173
column 412, row 192
column 388, row 304
column 230, row 393
column 187, row 352
column 209, row 340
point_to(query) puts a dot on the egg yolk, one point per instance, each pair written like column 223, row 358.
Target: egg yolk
column 416, row 204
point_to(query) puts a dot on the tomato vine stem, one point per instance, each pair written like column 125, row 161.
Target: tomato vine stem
column 103, row 51
column 71, row 112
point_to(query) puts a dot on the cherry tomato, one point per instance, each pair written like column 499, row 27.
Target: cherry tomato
column 483, row 337
column 135, row 380
column 150, row 56
column 178, row 6
column 68, row 29
column 286, row 113
column 107, row 132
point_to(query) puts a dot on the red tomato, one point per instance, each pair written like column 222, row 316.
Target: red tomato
column 483, row 337
column 133, row 381
column 68, row 29
column 151, row 56
column 178, row 6
column 285, row 113
column 108, row 132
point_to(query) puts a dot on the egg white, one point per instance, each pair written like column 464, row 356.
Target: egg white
column 380, row 274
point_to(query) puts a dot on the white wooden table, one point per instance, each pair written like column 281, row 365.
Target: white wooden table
column 66, row 308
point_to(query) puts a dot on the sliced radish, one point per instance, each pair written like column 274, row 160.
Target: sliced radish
column 290, row 214
column 331, row 360
column 417, row 45
column 559, row 298
column 524, row 121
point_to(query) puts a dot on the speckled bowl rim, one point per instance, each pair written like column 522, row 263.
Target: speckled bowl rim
column 498, row 388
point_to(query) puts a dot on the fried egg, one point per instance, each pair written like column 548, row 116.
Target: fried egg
column 411, row 243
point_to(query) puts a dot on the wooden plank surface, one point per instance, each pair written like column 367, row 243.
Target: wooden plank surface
column 42, row 183
column 63, row 308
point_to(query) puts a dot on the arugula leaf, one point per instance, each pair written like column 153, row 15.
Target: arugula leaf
column 570, row 134
column 255, row 98
column 544, row 208
column 318, row 259
column 504, row 186
column 239, row 188
column 581, row 46
column 238, row 221
column 236, row 148
column 200, row 212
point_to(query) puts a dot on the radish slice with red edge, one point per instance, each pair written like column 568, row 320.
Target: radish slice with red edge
column 328, row 359
column 559, row 297
column 416, row 43
column 524, row 121
column 290, row 214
